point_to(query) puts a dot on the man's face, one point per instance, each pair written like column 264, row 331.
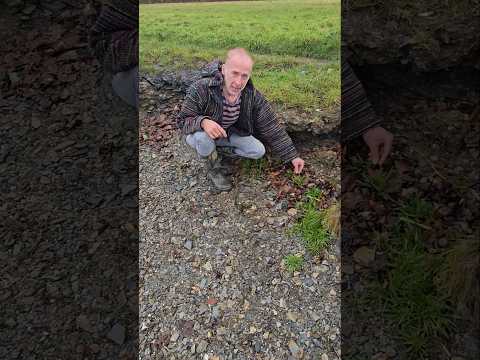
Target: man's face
column 236, row 72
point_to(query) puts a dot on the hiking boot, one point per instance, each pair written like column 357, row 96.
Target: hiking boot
column 227, row 152
column 216, row 173
column 228, row 157
column 227, row 166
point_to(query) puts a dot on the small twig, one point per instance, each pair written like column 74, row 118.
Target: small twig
column 148, row 80
column 445, row 350
column 336, row 353
column 476, row 112
column 436, row 171
column 402, row 218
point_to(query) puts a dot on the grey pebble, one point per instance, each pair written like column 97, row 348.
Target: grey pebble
column 202, row 347
column 117, row 334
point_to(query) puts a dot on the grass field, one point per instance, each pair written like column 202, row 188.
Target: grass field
column 296, row 44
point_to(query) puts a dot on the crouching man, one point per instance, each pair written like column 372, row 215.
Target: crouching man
column 223, row 109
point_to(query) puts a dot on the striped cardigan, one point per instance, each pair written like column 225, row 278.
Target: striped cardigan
column 357, row 113
column 114, row 36
column 204, row 100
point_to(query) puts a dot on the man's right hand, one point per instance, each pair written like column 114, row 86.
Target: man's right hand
column 379, row 141
column 213, row 129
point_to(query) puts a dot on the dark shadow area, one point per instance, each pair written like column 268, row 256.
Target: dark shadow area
column 69, row 185
column 410, row 250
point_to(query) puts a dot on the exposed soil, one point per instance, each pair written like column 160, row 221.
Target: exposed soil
column 426, row 35
column 436, row 142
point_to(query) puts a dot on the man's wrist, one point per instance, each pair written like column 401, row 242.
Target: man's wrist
column 201, row 121
column 289, row 159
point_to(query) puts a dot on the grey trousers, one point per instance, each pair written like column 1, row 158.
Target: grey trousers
column 125, row 85
column 244, row 146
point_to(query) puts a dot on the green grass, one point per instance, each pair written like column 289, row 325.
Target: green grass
column 359, row 166
column 378, row 181
column 312, row 227
column 299, row 180
column 415, row 305
column 416, row 308
column 417, row 212
column 293, row 263
column 254, row 168
column 313, row 231
column 295, row 45
column 417, row 209
column 312, row 197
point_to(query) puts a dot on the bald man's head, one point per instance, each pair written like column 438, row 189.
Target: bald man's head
column 239, row 54
column 236, row 71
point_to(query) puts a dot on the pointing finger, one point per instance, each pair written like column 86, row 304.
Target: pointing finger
column 297, row 168
column 387, row 147
column 223, row 132
column 374, row 156
column 210, row 134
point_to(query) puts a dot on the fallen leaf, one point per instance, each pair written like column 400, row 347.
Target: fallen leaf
column 187, row 328
column 364, row 255
column 211, row 301
column 163, row 340
column 292, row 212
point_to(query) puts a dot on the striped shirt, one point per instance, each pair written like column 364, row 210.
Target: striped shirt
column 357, row 112
column 230, row 113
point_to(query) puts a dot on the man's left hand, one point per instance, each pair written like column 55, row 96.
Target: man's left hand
column 298, row 164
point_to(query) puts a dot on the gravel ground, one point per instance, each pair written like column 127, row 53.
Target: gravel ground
column 68, row 168
column 212, row 282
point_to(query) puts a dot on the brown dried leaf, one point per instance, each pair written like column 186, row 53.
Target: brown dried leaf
column 211, row 301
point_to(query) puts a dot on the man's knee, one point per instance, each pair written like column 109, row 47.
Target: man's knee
column 257, row 151
column 204, row 144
